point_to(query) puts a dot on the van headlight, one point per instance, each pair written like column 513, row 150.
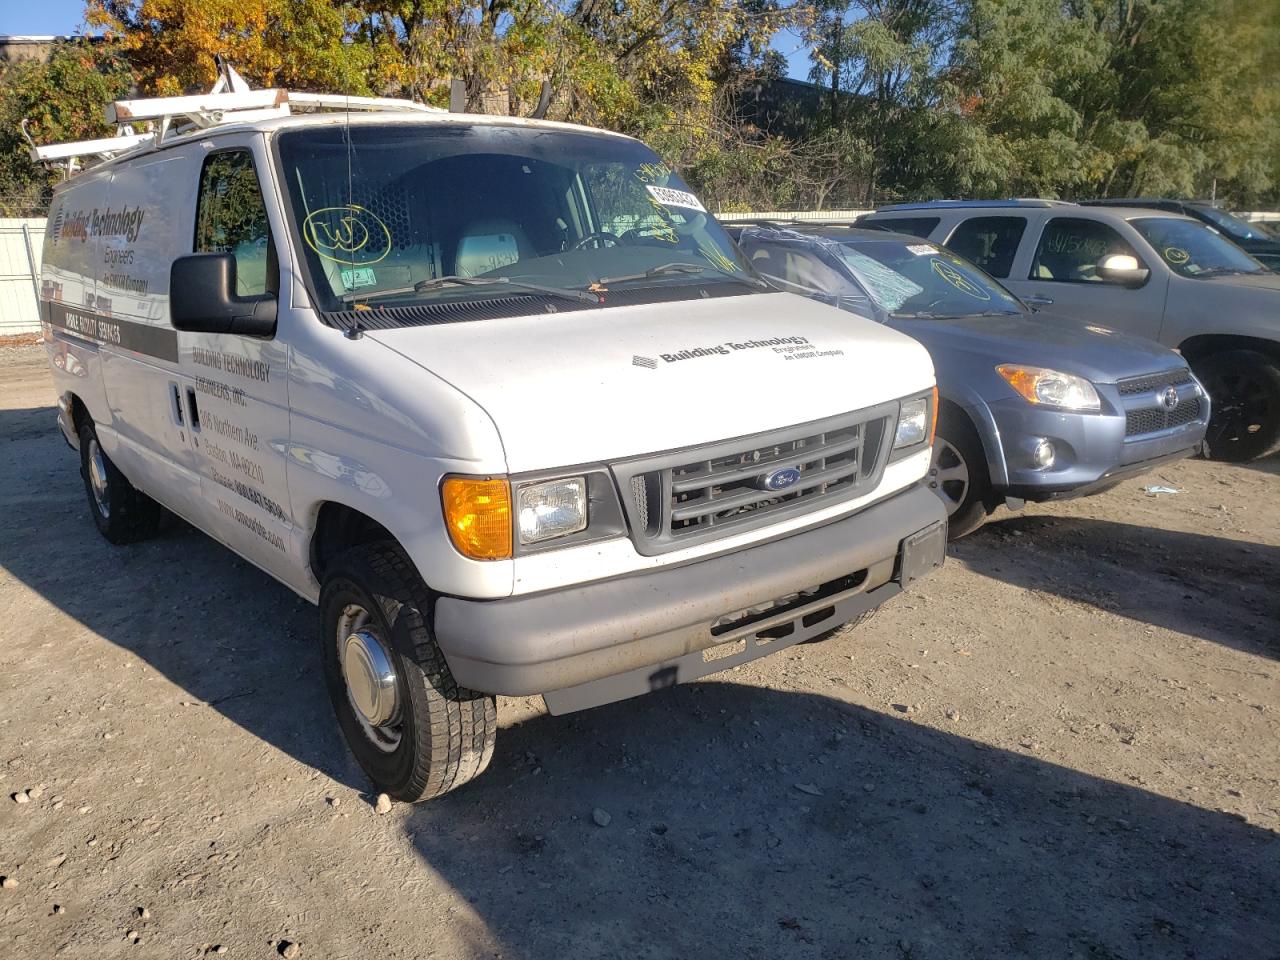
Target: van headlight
column 1051, row 388
column 916, row 420
column 556, row 508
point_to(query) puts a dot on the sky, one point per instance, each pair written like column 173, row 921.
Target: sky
column 65, row 16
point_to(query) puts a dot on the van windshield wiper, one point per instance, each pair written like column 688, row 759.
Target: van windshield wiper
column 437, row 283
column 682, row 267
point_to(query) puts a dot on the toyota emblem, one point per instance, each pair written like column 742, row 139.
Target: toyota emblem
column 1169, row 398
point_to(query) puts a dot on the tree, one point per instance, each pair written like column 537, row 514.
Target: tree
column 62, row 99
column 1088, row 98
column 304, row 44
column 879, row 58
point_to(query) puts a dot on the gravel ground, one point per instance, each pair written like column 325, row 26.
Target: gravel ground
column 1062, row 745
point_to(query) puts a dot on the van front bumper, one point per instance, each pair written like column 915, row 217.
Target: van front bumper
column 596, row 643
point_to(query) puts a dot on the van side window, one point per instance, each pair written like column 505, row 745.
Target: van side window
column 232, row 218
column 1070, row 249
column 989, row 242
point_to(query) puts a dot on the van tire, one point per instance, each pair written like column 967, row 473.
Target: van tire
column 1244, row 390
column 122, row 513
column 438, row 735
column 957, row 445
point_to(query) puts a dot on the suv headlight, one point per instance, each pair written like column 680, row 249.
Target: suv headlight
column 552, row 509
column 917, row 418
column 1051, row 388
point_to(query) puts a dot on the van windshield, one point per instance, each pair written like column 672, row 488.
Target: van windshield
column 402, row 214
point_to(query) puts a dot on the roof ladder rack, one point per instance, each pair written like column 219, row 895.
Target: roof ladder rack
column 231, row 100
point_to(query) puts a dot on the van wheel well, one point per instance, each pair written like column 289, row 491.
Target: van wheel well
column 338, row 529
column 79, row 413
column 1197, row 348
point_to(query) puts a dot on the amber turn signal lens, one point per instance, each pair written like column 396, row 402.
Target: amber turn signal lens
column 933, row 417
column 477, row 512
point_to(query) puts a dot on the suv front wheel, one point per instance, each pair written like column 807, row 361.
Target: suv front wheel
column 1244, row 388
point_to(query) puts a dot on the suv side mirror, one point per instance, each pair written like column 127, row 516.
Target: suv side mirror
column 1123, row 269
column 202, row 298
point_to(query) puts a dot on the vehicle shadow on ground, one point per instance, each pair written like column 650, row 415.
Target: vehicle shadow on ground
column 1269, row 465
column 742, row 822
column 749, row 822
column 225, row 632
column 1215, row 588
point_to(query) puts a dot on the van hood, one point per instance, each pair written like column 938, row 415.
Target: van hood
column 587, row 386
column 1089, row 350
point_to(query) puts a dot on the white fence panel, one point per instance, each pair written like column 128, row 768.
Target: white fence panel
column 21, row 241
column 837, row 216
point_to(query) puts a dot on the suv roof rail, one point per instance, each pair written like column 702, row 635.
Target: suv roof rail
column 949, row 204
column 230, row 101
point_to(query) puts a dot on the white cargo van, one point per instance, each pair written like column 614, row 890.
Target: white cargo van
column 498, row 395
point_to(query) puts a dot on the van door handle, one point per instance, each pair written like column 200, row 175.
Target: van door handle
column 193, row 409
column 176, row 405
column 1036, row 300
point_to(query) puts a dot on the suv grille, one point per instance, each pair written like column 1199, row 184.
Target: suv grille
column 1148, row 414
column 692, row 495
column 1157, row 418
column 1153, row 381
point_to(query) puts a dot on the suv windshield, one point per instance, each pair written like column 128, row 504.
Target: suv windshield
column 923, row 280
column 399, row 214
column 1193, row 250
column 1233, row 226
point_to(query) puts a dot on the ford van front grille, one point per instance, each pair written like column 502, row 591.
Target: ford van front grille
column 689, row 496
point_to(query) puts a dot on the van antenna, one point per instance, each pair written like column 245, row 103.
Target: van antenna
column 356, row 330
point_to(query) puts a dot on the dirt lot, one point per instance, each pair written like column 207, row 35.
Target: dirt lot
column 1064, row 745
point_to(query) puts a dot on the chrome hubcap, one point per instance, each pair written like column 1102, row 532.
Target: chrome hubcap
column 948, row 474
column 370, row 676
column 98, row 478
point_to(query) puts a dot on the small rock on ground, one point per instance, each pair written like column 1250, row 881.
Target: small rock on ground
column 601, row 817
column 382, row 804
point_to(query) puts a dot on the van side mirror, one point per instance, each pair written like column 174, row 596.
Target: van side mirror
column 202, row 298
column 1123, row 269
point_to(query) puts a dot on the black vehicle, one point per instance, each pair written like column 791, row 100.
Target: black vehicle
column 1249, row 237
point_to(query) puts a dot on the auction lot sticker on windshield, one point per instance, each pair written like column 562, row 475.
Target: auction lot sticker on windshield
column 675, row 198
column 920, row 249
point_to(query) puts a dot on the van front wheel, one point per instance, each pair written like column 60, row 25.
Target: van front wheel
column 122, row 513
column 416, row 733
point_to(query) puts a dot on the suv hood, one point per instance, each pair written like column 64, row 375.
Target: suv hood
column 1043, row 340
column 587, row 386
column 1252, row 281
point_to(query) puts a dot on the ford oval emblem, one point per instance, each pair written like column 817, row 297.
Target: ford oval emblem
column 782, row 478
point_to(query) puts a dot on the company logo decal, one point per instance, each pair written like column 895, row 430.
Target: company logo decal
column 1169, row 398
column 781, row 478
column 647, row 362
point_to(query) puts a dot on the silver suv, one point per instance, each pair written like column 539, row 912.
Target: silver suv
column 1146, row 272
